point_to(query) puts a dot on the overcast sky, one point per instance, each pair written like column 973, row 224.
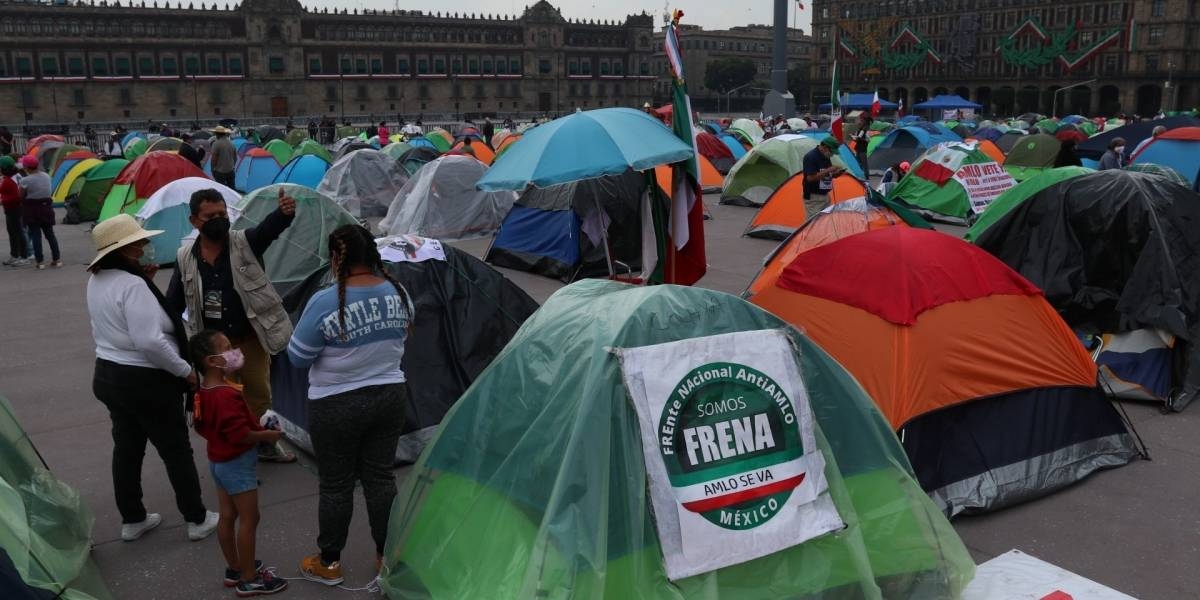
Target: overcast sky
column 710, row 14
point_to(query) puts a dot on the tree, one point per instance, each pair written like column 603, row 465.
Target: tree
column 728, row 73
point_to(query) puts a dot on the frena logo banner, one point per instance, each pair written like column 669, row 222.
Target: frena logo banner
column 732, row 461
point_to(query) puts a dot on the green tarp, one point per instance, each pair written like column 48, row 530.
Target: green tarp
column 45, row 527
column 535, row 484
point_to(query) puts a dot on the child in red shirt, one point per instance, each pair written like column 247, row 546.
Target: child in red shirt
column 233, row 434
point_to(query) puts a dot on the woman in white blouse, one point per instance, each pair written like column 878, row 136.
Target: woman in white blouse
column 141, row 377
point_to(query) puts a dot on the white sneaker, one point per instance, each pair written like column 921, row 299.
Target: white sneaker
column 133, row 531
column 197, row 532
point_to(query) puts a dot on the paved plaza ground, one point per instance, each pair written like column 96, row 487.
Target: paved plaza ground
column 1136, row 529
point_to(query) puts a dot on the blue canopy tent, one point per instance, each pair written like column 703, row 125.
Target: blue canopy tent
column 861, row 102
column 946, row 102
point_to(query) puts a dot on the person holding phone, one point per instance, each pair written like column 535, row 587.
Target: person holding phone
column 819, row 172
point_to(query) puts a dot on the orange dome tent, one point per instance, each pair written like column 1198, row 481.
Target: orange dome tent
column 482, row 151
column 784, row 209
column 711, row 180
column 993, row 397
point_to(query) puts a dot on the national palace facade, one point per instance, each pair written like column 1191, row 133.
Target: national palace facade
column 1012, row 56
column 95, row 61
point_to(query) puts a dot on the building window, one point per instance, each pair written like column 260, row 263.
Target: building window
column 422, row 66
column 644, row 68
column 99, row 65
column 544, row 66
column 402, row 66
column 75, row 66
column 235, row 65
column 456, row 66
column 473, row 67
column 1151, row 64
column 439, row 66
column 487, row 66
column 191, row 65
column 49, row 66
column 314, row 66
column 170, row 66
column 514, row 66
column 122, row 66
column 360, row 66
column 213, row 66
column 573, row 68
column 1154, row 35
column 586, row 67
column 376, row 65
column 275, row 64
column 618, row 68
column 604, row 68
column 1158, row 8
column 145, row 65
column 346, row 65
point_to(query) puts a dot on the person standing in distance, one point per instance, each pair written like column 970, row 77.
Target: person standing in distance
column 224, row 157
column 219, row 280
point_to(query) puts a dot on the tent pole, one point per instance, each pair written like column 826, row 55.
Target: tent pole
column 612, row 272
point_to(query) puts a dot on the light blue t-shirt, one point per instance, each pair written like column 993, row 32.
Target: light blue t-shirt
column 377, row 320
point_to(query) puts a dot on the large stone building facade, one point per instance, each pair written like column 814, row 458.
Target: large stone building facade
column 64, row 63
column 1014, row 56
column 701, row 47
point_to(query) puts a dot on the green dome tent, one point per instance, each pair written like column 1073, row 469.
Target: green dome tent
column 535, row 484
column 296, row 136
column 280, row 150
column 135, row 148
column 311, row 147
column 304, row 246
column 141, row 178
column 765, row 167
column 952, row 182
column 95, row 187
column 1020, row 193
column 396, row 149
column 45, row 527
column 1031, row 155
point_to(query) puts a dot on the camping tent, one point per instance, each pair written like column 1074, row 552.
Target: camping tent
column 135, row 148
column 422, row 141
column 70, row 172
column 417, row 157
column 546, row 495
column 953, row 181
column 66, row 154
column 268, row 133
column 907, row 143
column 304, row 169
column 735, row 147
column 746, row 131
column 479, row 150
column 296, row 137
column 1115, row 251
column 303, row 248
column 440, row 201
column 1178, row 149
column 96, row 184
column 503, row 145
column 1019, row 193
column 711, row 180
column 441, row 139
column 1009, row 139
column 1031, row 155
column 165, row 144
column 350, row 148
column 1015, row 414
column 45, row 526
column 765, row 167
column 989, row 148
column 573, row 230
column 364, row 182
column 465, row 314
column 712, row 148
column 1132, row 133
column 168, row 210
column 312, row 147
column 396, row 149
column 281, row 150
column 784, row 211
column 141, row 178
column 859, row 102
column 257, row 168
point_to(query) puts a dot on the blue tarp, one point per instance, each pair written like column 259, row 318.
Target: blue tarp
column 861, row 102
column 946, row 102
column 306, row 170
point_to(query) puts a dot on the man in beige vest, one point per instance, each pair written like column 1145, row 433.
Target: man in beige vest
column 219, row 283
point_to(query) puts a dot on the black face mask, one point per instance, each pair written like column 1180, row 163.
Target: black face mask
column 215, row 229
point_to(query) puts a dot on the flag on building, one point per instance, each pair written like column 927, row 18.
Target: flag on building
column 1131, row 43
column 677, row 254
column 835, row 104
column 875, row 105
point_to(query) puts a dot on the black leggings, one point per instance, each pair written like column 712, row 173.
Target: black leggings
column 16, row 233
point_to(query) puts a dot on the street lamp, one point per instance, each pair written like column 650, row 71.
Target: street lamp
column 729, row 97
column 1054, row 108
column 1171, row 88
column 195, row 100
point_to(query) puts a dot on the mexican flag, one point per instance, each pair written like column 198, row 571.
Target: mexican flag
column 677, row 253
column 876, row 106
column 835, row 104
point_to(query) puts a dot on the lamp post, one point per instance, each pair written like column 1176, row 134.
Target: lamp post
column 1170, row 86
column 729, row 96
column 195, row 100
column 1054, row 108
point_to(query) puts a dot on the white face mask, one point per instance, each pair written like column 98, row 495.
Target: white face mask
column 1119, row 149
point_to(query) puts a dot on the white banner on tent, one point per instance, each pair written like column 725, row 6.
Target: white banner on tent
column 958, row 113
column 731, row 456
column 409, row 248
column 1015, row 574
column 983, row 183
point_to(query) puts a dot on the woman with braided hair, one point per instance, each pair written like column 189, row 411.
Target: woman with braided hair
column 351, row 337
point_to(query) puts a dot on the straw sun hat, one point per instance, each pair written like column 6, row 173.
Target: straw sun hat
column 117, row 232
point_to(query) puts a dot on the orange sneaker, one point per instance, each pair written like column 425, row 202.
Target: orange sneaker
column 314, row 569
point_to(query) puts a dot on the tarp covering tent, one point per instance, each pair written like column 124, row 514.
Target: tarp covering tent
column 267, row 133
column 417, row 157
column 47, row 152
column 396, row 149
column 96, row 184
column 364, row 182
column 1015, row 415
column 747, row 131
column 45, row 526
column 1132, row 133
column 1020, row 193
column 711, row 147
column 909, row 142
column 990, row 134
column 311, row 147
column 836, row 221
column 1009, row 139
column 547, row 497
column 465, row 314
column 1178, row 149
column 257, row 168
column 304, row 246
column 168, row 210
column 1031, row 155
column 1115, row 251
column 304, row 169
column 68, row 178
column 351, row 148
column 756, row 175
column 281, row 150
column 953, row 181
column 440, row 201
column 141, row 178
column 1167, row 173
column 586, row 228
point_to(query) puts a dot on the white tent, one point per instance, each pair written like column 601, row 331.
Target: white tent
column 168, row 209
column 440, row 201
column 364, row 182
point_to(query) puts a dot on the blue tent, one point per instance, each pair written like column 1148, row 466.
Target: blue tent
column 909, row 119
column 734, row 145
column 1183, row 155
column 909, row 142
column 306, row 170
column 1073, row 119
column 946, row 102
column 129, row 137
column 256, row 169
column 861, row 102
column 990, row 134
column 712, row 128
column 421, row 141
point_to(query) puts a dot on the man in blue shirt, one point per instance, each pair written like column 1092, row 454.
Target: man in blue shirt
column 818, row 175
